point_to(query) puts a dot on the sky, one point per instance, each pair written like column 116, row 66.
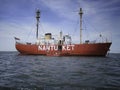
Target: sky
column 17, row 19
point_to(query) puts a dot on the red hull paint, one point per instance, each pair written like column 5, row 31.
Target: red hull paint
column 95, row 49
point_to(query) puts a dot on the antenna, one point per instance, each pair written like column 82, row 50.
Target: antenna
column 81, row 13
column 37, row 17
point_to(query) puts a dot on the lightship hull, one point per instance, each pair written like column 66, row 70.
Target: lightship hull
column 91, row 49
column 61, row 45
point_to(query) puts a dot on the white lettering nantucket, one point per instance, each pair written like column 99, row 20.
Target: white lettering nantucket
column 55, row 47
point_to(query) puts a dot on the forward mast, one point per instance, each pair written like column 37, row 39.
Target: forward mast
column 37, row 17
column 81, row 13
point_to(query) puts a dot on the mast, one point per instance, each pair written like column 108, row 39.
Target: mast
column 81, row 13
column 37, row 17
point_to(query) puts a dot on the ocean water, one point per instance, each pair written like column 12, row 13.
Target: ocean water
column 30, row 72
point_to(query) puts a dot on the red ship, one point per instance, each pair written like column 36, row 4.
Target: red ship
column 63, row 46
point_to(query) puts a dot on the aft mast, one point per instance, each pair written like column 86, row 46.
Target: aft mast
column 81, row 13
column 37, row 17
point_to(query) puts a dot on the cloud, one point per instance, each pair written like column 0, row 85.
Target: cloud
column 100, row 17
column 63, row 8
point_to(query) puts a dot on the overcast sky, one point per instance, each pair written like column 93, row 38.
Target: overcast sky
column 17, row 18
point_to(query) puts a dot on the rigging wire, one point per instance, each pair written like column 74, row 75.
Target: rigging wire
column 93, row 29
column 31, row 30
column 42, row 29
column 29, row 34
column 76, row 26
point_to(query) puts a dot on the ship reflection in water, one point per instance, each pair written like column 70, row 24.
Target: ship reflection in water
column 63, row 46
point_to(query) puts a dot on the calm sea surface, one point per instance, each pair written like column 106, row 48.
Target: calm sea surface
column 29, row 72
